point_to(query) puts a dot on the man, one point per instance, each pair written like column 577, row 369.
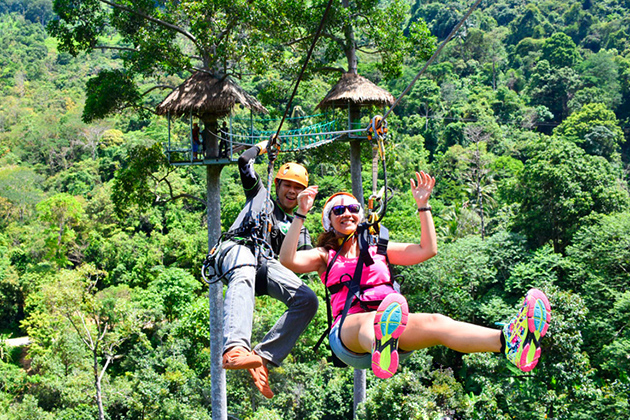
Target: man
column 249, row 267
column 196, row 142
column 224, row 137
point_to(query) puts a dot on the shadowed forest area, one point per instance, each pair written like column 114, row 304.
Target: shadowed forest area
column 524, row 120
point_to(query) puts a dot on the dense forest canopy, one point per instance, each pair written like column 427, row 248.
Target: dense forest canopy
column 524, row 120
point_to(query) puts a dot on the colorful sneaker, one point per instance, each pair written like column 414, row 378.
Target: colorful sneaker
column 522, row 334
column 389, row 323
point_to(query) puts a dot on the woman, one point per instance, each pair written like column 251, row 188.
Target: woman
column 374, row 337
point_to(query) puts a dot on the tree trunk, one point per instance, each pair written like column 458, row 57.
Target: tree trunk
column 479, row 192
column 210, row 140
column 215, row 294
column 357, row 191
column 97, row 385
column 350, row 47
column 60, row 236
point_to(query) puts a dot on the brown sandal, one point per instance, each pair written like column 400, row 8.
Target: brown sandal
column 260, row 375
column 240, row 358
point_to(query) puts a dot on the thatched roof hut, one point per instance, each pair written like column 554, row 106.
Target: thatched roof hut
column 356, row 90
column 207, row 97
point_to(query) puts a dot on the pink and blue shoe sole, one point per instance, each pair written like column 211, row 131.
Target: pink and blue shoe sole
column 538, row 317
column 389, row 323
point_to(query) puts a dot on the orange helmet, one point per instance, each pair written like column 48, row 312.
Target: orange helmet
column 292, row 171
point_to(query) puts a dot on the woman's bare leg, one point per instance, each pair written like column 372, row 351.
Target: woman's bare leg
column 426, row 330
column 423, row 330
column 357, row 332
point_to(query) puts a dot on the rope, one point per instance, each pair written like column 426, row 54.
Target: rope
column 283, row 136
column 377, row 128
column 434, row 56
column 272, row 147
column 308, row 57
column 278, row 119
column 262, row 225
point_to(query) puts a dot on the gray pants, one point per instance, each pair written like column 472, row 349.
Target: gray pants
column 238, row 307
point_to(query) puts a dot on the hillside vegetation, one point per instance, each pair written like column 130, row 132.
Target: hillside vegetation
column 524, row 121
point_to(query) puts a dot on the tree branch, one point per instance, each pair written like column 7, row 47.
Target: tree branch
column 105, row 328
column 202, row 70
column 87, row 331
column 366, row 18
column 368, row 52
column 154, row 20
column 146, row 108
column 331, row 69
column 158, row 87
column 69, row 318
column 296, row 41
column 183, row 195
column 109, row 47
column 159, row 201
column 338, row 40
column 227, row 30
column 108, row 359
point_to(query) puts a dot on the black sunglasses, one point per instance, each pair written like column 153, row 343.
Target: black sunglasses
column 341, row 209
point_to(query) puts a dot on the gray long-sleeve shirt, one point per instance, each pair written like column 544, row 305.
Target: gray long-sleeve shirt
column 256, row 200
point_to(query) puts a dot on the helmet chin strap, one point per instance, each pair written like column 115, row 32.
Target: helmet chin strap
column 341, row 238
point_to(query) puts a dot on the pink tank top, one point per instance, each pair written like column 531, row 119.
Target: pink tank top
column 374, row 275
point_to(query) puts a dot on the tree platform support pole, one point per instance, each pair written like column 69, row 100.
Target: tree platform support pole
column 355, row 170
column 357, row 191
column 359, row 390
column 354, row 114
column 215, row 296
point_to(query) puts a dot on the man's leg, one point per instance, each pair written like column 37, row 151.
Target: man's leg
column 239, row 299
column 301, row 302
column 238, row 317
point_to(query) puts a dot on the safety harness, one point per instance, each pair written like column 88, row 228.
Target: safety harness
column 254, row 236
column 356, row 291
column 368, row 233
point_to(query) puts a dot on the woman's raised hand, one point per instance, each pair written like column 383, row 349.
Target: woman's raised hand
column 422, row 189
column 306, row 199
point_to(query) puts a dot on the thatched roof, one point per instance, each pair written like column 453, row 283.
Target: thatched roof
column 205, row 95
column 357, row 90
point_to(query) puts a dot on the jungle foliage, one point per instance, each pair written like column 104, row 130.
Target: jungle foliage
column 524, row 120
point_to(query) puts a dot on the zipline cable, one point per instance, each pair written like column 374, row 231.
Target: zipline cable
column 434, row 56
column 378, row 126
column 272, row 152
column 273, row 147
column 377, row 129
column 308, row 57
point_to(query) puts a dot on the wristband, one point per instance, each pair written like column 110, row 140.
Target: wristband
column 424, row 209
column 299, row 216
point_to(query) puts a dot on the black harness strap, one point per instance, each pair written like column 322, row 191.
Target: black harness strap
column 260, row 285
column 213, row 264
column 381, row 246
column 337, row 288
column 354, row 283
column 383, row 240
